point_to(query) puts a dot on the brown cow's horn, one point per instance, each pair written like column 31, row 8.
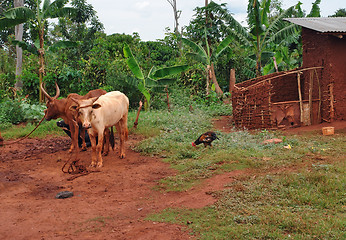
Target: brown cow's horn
column 45, row 93
column 57, row 91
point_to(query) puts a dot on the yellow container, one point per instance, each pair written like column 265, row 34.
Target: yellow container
column 328, row 130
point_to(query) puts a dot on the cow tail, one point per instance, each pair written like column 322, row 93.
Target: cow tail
column 111, row 138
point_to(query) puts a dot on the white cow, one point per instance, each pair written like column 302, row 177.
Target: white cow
column 99, row 113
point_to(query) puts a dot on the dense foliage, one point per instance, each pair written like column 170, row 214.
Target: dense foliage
column 96, row 60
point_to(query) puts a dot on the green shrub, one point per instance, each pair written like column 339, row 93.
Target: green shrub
column 16, row 111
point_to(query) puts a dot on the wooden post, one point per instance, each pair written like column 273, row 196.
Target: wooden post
column 300, row 97
column 311, row 85
column 232, row 80
column 275, row 64
column 331, row 90
column 319, row 97
column 138, row 111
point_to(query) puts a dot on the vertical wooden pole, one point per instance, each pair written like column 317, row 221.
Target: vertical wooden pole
column 331, row 90
column 319, row 97
column 232, row 80
column 300, row 97
column 138, row 111
column 310, row 94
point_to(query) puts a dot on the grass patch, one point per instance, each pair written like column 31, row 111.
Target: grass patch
column 18, row 131
column 308, row 204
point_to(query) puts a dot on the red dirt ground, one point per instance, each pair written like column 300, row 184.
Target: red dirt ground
column 109, row 204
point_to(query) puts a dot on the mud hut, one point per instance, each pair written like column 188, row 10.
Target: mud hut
column 311, row 94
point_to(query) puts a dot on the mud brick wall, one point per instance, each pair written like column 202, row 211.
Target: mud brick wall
column 285, row 88
column 320, row 49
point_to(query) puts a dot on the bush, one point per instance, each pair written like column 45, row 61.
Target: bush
column 16, row 111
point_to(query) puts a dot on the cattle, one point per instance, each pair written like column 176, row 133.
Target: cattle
column 61, row 108
column 99, row 113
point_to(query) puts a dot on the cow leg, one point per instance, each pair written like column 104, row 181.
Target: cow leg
column 82, row 135
column 93, row 149
column 74, row 137
column 119, row 126
column 99, row 148
column 106, row 142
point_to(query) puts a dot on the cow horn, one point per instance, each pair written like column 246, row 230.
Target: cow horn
column 45, row 93
column 57, row 91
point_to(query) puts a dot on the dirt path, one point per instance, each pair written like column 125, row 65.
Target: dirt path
column 110, row 204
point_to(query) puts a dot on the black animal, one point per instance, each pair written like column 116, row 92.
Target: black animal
column 61, row 124
column 206, row 139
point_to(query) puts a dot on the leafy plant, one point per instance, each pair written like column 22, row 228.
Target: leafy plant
column 156, row 79
column 38, row 18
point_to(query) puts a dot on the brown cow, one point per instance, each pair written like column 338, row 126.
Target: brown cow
column 61, row 108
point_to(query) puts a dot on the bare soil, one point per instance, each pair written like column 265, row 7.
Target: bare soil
column 108, row 204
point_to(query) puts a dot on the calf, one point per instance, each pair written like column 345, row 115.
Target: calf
column 99, row 113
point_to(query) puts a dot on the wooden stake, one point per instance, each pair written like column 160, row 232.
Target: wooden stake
column 300, row 97
column 310, row 95
column 232, row 80
column 320, row 97
column 138, row 111
column 331, row 90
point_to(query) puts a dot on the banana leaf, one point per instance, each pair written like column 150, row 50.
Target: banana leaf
column 19, row 13
column 167, row 71
column 26, row 46
column 132, row 63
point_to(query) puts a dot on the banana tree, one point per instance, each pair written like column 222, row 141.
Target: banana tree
column 156, row 80
column 38, row 18
column 263, row 31
column 206, row 58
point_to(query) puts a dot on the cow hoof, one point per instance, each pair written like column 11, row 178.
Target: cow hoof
column 84, row 149
column 92, row 164
column 122, row 156
column 105, row 153
column 99, row 165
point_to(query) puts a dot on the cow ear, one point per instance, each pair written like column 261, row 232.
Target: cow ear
column 96, row 106
column 73, row 108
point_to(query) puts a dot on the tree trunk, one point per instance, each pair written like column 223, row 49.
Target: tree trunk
column 218, row 90
column 19, row 51
column 232, row 80
column 41, row 70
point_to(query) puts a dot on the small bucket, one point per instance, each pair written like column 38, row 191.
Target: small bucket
column 328, row 131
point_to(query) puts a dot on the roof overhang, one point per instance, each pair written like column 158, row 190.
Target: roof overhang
column 332, row 25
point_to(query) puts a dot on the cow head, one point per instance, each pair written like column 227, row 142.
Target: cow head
column 85, row 110
column 52, row 111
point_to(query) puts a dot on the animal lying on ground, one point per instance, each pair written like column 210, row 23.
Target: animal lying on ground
column 98, row 113
column 66, row 128
column 206, row 139
column 61, row 108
